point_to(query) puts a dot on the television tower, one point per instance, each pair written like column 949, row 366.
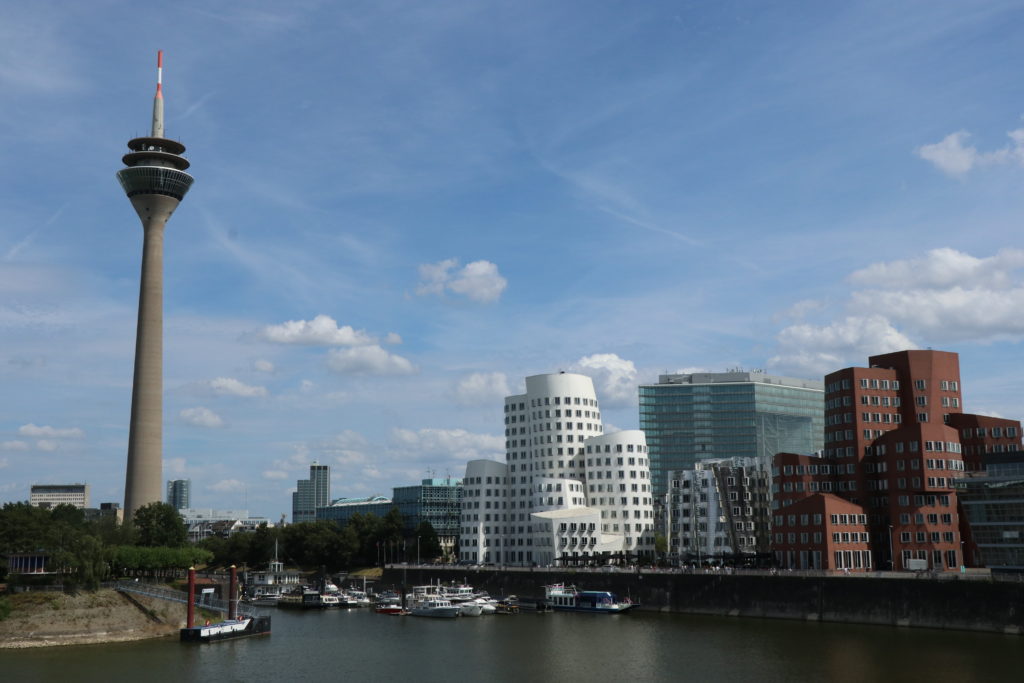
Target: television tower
column 155, row 182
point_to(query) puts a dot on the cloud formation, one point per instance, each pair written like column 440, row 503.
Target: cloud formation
column 322, row 330
column 50, row 432
column 943, row 296
column 479, row 281
column 227, row 486
column 953, row 156
column 262, row 365
column 481, row 387
column 615, row 379
column 368, row 360
column 453, row 444
column 228, row 386
column 201, row 417
column 13, row 445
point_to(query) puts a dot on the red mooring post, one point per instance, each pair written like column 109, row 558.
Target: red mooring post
column 233, row 594
column 190, row 620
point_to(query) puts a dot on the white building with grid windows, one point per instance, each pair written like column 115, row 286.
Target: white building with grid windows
column 545, row 505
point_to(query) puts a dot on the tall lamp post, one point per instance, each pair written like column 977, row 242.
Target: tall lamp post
column 417, row 550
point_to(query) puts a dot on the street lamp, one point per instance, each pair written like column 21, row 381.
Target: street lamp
column 417, row 550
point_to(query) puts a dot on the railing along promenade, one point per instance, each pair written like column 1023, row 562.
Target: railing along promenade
column 721, row 571
column 162, row 593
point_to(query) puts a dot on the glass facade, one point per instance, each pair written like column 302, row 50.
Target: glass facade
column 436, row 501
column 154, row 180
column 994, row 505
column 687, row 418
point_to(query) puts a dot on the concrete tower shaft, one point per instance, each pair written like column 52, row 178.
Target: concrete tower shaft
column 155, row 182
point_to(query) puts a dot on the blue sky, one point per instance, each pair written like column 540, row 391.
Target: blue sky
column 403, row 208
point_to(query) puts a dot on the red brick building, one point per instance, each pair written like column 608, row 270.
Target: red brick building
column 893, row 448
column 822, row 531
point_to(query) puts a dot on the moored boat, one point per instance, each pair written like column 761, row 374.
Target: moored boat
column 567, row 599
column 435, row 607
column 229, row 628
column 470, row 609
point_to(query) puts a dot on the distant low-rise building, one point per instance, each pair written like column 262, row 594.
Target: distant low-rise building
column 343, row 509
column 206, row 522
column 52, row 495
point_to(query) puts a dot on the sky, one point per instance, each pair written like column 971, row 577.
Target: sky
column 401, row 209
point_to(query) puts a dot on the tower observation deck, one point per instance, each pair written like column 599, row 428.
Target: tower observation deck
column 155, row 181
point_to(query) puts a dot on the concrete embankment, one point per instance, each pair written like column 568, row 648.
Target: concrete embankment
column 973, row 605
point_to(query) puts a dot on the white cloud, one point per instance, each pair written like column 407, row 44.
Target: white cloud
column 322, row 330
column 952, row 155
column 481, row 387
column 3, row 463
column 201, row 417
column 50, row 432
column 369, row 360
column 393, row 338
column 14, row 446
column 306, row 386
column 227, row 386
column 47, row 445
column 614, row 378
column 227, row 486
column 813, row 350
column 455, row 444
column 947, row 295
column 943, row 268
column 263, row 365
column 479, row 280
column 174, row 466
column 275, row 474
column 943, row 296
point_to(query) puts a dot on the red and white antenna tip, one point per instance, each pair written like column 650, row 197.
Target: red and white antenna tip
column 159, row 71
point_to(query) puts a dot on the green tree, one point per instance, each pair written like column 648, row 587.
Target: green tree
column 159, row 524
column 429, row 544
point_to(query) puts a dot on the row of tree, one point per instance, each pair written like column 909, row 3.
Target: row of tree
column 91, row 550
column 366, row 540
column 88, row 551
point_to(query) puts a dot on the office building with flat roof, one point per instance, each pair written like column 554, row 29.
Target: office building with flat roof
column 712, row 416
column 52, row 495
column 311, row 493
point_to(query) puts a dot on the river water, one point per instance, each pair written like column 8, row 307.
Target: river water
column 360, row 645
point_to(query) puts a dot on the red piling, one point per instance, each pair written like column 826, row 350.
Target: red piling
column 233, row 594
column 191, row 619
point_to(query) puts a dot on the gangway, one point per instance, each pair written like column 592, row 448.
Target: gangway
column 201, row 600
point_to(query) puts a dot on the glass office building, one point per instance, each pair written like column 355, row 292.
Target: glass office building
column 437, row 501
column 704, row 416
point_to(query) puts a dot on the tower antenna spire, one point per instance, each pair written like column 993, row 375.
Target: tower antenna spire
column 158, row 99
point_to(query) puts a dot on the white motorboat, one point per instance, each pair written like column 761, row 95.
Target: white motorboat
column 435, row 607
column 470, row 609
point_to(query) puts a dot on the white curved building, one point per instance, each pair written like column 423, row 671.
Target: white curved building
column 547, row 514
column 619, row 485
column 484, row 510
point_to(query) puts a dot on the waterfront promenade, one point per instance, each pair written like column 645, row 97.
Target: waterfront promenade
column 956, row 601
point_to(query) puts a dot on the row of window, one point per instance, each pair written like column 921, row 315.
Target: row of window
column 983, row 432
column 927, row 537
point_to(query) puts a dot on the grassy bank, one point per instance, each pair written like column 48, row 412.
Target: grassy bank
column 39, row 619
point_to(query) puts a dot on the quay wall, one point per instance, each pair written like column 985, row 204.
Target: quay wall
column 892, row 600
